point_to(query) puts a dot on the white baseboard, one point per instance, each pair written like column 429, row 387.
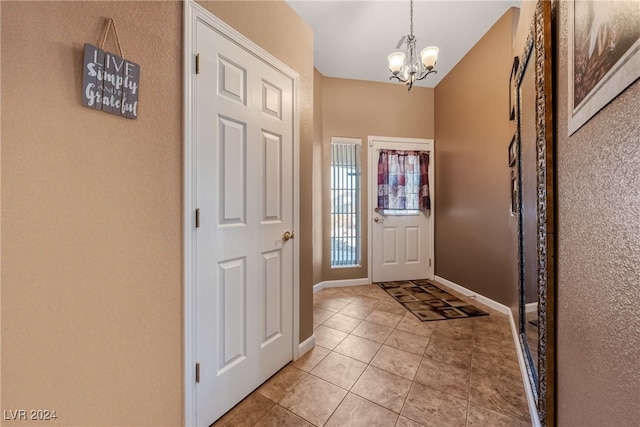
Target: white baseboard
column 531, row 307
column 480, row 298
column 306, row 345
column 340, row 283
column 533, row 411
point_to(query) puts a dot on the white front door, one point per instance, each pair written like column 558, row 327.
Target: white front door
column 244, row 195
column 402, row 242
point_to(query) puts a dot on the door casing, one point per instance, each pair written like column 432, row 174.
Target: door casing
column 192, row 13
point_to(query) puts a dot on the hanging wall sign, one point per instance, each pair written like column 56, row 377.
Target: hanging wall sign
column 109, row 82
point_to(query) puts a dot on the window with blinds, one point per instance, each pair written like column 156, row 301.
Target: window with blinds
column 345, row 202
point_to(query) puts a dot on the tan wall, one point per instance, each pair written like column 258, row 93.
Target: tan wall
column 318, row 121
column 91, row 219
column 91, row 209
column 476, row 244
column 279, row 30
column 598, row 270
column 358, row 109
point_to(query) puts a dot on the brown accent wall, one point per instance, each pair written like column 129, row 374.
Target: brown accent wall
column 359, row 109
column 476, row 243
column 598, row 268
column 275, row 27
column 91, row 219
column 91, row 222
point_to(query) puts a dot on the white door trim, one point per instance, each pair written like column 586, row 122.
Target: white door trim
column 192, row 13
column 432, row 189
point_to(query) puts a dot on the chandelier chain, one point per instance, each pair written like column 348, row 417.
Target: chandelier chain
column 411, row 17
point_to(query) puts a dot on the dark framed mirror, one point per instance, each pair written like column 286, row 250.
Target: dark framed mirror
column 535, row 211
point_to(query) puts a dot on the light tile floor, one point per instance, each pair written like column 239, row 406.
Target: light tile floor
column 375, row 364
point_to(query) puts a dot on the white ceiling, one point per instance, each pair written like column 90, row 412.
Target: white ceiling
column 352, row 39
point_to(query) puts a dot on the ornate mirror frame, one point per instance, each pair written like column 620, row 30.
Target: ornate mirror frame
column 538, row 52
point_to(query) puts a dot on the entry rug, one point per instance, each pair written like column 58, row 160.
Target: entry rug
column 428, row 302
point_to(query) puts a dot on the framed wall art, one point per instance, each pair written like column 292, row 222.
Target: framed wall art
column 604, row 55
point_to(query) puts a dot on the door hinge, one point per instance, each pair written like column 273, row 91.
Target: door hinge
column 197, row 217
column 197, row 372
column 429, row 262
column 197, row 63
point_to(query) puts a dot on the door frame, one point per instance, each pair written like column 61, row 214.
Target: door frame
column 193, row 12
column 432, row 193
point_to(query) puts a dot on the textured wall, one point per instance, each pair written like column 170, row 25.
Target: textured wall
column 476, row 243
column 358, row 109
column 91, row 219
column 275, row 27
column 91, row 209
column 598, row 313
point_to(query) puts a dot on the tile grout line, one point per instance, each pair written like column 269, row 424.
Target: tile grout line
column 370, row 364
column 466, row 418
column 335, row 409
column 474, row 350
column 416, row 374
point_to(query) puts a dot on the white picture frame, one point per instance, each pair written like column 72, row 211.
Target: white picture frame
column 604, row 55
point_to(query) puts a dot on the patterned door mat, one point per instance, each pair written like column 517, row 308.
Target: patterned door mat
column 428, row 302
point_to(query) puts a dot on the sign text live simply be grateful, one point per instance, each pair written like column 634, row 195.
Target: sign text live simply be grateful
column 110, row 83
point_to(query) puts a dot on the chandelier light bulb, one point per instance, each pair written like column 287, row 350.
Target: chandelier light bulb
column 396, row 60
column 429, row 56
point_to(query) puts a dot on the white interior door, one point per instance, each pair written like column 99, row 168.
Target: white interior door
column 401, row 242
column 244, row 196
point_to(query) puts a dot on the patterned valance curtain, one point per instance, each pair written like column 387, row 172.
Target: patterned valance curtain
column 403, row 180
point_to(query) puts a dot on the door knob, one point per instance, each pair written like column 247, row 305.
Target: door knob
column 378, row 220
column 287, row 236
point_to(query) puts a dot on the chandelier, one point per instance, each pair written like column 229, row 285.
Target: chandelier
column 407, row 67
